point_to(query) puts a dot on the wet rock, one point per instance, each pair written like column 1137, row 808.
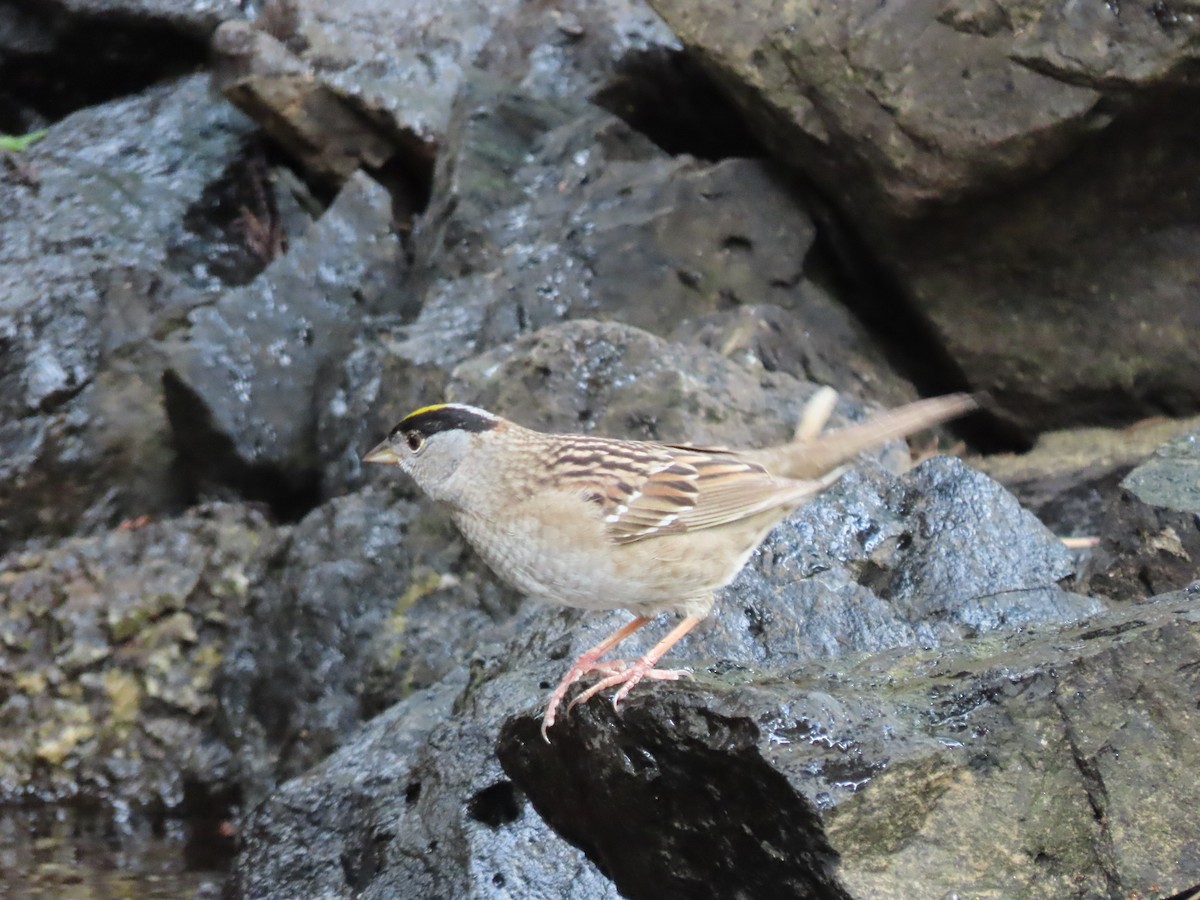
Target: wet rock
column 494, row 130
column 895, row 110
column 328, row 139
column 1022, row 173
column 365, row 601
column 415, row 805
column 244, row 371
column 590, row 221
column 865, row 776
column 396, row 70
column 1150, row 540
column 90, row 285
column 111, row 645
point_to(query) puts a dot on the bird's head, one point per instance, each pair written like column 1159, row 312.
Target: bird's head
column 430, row 443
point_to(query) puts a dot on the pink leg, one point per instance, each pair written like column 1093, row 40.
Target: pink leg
column 589, row 662
column 630, row 675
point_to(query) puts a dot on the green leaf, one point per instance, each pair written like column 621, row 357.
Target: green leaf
column 18, row 142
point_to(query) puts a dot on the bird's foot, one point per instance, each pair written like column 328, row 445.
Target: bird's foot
column 627, row 676
column 582, row 666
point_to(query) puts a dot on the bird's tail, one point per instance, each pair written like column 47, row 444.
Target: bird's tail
column 816, row 452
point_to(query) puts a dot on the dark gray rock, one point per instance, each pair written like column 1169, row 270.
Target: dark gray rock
column 415, row 805
column 1150, row 539
column 487, row 165
column 90, row 283
column 400, row 67
column 365, row 601
column 545, row 211
column 609, row 231
column 865, row 776
column 244, row 372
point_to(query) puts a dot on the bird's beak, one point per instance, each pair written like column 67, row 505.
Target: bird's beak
column 382, row 454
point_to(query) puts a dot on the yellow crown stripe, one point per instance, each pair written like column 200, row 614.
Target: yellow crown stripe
column 425, row 409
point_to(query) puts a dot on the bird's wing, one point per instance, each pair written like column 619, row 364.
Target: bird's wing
column 655, row 489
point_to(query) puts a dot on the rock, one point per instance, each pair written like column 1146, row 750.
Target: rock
column 244, row 371
column 1097, row 332
column 619, row 381
column 544, row 211
column 1150, row 539
column 414, row 805
column 363, row 603
column 111, row 647
column 818, row 341
column 865, row 776
column 96, row 266
column 329, row 139
column 889, row 110
column 1068, row 477
column 982, row 150
column 580, row 231
column 394, row 71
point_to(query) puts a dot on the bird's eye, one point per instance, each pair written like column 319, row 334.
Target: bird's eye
column 414, row 440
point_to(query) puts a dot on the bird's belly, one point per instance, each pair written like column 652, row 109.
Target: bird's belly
column 658, row 573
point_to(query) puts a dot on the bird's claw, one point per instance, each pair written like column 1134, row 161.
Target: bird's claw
column 627, row 677
column 577, row 671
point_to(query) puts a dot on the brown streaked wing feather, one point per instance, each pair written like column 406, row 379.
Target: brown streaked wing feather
column 731, row 488
column 657, row 489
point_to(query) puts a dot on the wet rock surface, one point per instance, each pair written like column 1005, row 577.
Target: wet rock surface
column 396, row 70
column 869, row 775
column 911, row 683
column 243, row 371
column 329, row 639
column 416, row 805
column 89, row 290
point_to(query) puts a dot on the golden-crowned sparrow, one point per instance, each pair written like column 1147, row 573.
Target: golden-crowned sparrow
column 599, row 523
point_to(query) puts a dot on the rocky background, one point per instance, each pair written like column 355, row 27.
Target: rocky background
column 240, row 242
